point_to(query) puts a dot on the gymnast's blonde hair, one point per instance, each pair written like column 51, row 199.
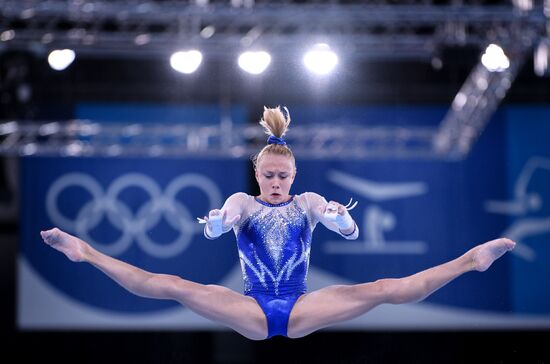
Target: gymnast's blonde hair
column 275, row 123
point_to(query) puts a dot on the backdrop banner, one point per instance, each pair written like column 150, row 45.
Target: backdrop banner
column 412, row 215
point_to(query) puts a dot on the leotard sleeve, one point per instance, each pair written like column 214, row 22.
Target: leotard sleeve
column 233, row 206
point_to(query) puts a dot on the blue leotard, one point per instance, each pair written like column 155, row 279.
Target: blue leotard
column 274, row 244
column 274, row 253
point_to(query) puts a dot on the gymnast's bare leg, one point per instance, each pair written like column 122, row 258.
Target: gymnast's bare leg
column 338, row 303
column 217, row 303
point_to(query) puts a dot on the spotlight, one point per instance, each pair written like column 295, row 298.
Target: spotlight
column 7, row 35
column 254, row 62
column 186, row 61
column 208, row 31
column 494, row 59
column 541, row 59
column 321, row 59
column 524, row 5
column 60, row 59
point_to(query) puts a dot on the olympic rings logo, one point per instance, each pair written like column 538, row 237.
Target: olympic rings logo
column 133, row 226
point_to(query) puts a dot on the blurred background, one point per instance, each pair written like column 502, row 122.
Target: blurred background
column 122, row 121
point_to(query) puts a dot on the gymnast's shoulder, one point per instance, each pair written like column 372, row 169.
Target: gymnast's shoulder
column 311, row 198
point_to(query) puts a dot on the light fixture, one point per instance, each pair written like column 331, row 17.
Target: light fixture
column 254, row 62
column 186, row 61
column 60, row 59
column 494, row 59
column 320, row 59
column 541, row 58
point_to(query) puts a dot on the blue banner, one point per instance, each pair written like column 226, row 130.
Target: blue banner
column 527, row 206
column 414, row 215
column 142, row 211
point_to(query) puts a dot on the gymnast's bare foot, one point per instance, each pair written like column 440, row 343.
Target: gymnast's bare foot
column 482, row 256
column 74, row 248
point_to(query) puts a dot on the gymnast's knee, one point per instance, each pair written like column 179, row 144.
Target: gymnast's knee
column 400, row 290
column 388, row 290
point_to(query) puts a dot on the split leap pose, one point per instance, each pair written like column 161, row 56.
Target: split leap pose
column 274, row 232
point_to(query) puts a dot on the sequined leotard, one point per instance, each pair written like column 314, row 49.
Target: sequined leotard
column 274, row 243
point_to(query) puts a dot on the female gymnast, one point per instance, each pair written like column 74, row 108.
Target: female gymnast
column 274, row 232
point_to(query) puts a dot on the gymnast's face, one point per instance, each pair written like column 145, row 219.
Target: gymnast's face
column 275, row 175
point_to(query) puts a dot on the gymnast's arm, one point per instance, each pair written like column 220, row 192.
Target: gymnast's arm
column 221, row 221
column 343, row 223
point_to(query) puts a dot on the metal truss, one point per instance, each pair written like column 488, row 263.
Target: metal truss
column 374, row 29
column 474, row 104
column 80, row 138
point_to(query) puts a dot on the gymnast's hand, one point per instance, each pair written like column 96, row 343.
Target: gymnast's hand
column 217, row 223
column 333, row 208
column 338, row 214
